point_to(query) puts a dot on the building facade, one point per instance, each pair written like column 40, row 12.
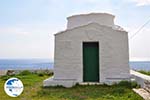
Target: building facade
column 91, row 49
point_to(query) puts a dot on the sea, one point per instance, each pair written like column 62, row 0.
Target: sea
column 42, row 64
column 26, row 64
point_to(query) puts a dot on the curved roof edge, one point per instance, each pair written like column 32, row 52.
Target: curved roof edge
column 90, row 14
column 88, row 25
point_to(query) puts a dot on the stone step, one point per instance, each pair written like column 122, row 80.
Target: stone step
column 143, row 93
column 90, row 83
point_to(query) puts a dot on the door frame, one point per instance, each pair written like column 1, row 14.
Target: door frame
column 98, row 59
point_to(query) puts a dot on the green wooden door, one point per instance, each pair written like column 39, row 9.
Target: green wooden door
column 90, row 62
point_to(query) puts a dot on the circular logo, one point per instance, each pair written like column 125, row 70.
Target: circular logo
column 13, row 87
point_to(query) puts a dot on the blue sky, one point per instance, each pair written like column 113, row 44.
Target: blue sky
column 27, row 26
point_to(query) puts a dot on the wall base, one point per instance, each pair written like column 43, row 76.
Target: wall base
column 52, row 82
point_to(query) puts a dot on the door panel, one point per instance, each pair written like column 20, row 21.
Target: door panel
column 90, row 62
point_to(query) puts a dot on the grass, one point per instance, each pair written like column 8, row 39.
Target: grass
column 144, row 72
column 33, row 90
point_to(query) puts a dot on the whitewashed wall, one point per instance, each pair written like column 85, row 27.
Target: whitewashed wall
column 113, row 53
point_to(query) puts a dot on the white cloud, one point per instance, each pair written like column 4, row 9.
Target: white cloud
column 141, row 2
column 13, row 30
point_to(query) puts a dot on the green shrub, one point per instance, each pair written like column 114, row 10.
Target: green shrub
column 25, row 72
column 5, row 77
column 40, row 74
column 48, row 72
column 134, row 84
column 128, row 84
column 144, row 72
column 124, row 84
column 44, row 72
